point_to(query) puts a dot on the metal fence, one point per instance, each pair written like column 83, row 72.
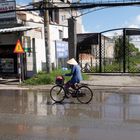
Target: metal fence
column 115, row 51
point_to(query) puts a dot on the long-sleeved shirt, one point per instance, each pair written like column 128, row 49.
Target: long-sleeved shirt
column 76, row 74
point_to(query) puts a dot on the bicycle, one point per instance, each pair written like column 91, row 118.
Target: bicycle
column 82, row 92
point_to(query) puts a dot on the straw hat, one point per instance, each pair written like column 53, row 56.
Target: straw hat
column 72, row 62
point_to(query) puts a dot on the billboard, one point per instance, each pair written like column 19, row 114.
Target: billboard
column 61, row 49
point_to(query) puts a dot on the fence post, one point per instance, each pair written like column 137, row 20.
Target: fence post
column 100, row 53
column 124, row 48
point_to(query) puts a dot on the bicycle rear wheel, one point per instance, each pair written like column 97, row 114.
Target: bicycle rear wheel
column 84, row 94
column 57, row 93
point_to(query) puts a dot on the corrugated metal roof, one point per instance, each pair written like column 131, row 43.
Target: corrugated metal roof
column 16, row 29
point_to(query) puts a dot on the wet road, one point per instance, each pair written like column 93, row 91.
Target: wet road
column 31, row 115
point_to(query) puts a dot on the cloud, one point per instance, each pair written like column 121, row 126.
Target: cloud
column 138, row 18
column 133, row 26
column 134, row 23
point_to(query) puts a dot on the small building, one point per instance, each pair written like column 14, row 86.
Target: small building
column 90, row 51
column 27, row 27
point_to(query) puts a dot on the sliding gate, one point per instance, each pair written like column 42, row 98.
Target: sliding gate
column 117, row 51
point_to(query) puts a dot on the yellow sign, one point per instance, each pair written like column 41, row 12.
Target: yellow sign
column 18, row 48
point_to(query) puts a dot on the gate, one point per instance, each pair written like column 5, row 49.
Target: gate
column 112, row 51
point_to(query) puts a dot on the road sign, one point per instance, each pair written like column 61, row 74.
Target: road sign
column 18, row 48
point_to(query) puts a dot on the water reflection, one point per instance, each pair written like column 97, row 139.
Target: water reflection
column 107, row 106
column 122, row 107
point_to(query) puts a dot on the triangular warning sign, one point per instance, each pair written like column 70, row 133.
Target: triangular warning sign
column 18, row 48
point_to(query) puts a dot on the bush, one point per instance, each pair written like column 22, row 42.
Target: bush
column 39, row 79
column 43, row 78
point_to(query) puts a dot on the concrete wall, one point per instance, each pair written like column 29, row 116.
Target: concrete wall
column 40, row 54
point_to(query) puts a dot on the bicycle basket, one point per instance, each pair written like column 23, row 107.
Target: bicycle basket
column 59, row 80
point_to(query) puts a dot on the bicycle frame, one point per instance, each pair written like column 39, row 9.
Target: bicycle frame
column 81, row 91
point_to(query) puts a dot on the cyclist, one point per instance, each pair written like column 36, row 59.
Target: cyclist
column 75, row 74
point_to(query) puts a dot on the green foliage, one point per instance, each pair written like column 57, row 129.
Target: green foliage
column 43, row 78
column 118, row 45
column 39, row 79
column 95, row 69
column 119, row 48
column 112, row 67
column 85, row 76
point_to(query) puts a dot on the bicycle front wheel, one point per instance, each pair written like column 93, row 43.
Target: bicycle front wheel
column 57, row 93
column 84, row 94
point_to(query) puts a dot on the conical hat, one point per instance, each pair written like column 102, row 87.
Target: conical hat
column 72, row 62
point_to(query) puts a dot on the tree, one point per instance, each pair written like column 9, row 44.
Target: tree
column 130, row 48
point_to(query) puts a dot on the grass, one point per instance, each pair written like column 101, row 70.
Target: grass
column 43, row 78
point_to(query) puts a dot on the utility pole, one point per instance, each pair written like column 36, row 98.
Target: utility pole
column 72, row 38
column 47, row 36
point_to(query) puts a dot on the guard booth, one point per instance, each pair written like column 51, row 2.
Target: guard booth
column 112, row 51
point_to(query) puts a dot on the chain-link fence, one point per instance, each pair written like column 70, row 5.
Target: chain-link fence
column 114, row 51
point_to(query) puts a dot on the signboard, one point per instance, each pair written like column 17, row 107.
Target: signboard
column 6, row 6
column 26, row 43
column 18, row 48
column 61, row 49
column 7, row 65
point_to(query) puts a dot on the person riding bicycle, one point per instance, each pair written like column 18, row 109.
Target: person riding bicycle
column 75, row 73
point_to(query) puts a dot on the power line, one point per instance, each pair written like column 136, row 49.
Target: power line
column 93, row 10
column 77, row 6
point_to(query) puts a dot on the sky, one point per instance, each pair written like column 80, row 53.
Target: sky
column 108, row 18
